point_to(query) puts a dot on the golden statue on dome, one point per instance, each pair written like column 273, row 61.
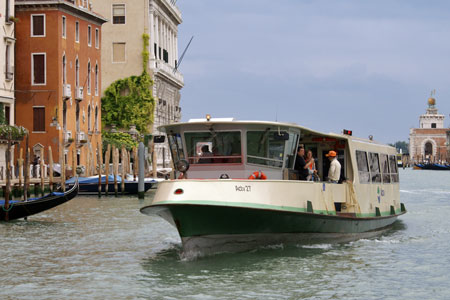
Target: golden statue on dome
column 432, row 100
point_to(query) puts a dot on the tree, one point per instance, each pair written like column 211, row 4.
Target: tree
column 404, row 146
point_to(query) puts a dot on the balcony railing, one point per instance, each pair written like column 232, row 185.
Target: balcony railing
column 158, row 65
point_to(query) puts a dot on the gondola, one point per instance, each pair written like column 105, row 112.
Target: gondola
column 89, row 185
column 23, row 209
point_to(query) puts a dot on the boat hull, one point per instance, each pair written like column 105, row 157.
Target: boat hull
column 130, row 188
column 224, row 227
column 19, row 210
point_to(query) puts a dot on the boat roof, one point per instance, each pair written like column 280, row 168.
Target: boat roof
column 245, row 123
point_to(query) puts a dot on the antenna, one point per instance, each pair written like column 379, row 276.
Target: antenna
column 182, row 55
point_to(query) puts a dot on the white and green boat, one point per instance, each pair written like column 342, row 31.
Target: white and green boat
column 215, row 206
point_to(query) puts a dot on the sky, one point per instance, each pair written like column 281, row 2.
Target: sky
column 366, row 66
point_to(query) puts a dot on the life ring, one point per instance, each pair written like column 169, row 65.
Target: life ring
column 258, row 175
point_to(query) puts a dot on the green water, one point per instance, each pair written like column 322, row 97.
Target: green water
column 92, row 248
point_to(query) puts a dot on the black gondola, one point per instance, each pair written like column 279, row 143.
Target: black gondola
column 89, row 185
column 22, row 209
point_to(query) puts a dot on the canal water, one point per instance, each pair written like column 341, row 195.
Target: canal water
column 92, row 248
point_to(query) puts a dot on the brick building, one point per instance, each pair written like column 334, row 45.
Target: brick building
column 430, row 142
column 58, row 82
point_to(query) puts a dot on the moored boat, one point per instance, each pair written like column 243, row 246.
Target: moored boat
column 23, row 209
column 215, row 202
column 89, row 185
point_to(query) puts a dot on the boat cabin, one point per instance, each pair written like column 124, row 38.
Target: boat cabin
column 225, row 148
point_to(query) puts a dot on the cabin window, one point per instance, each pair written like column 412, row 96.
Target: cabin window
column 363, row 167
column 291, row 150
column 264, row 149
column 393, row 167
column 176, row 147
column 374, row 165
column 211, row 147
column 384, row 164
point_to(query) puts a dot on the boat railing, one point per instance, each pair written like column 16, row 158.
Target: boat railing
column 265, row 161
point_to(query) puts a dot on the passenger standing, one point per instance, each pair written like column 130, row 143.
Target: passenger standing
column 310, row 165
column 334, row 173
column 300, row 164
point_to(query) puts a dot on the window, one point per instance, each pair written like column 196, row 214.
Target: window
column 393, row 168
column 212, row 147
column 89, row 78
column 39, row 119
column 63, row 26
column 363, row 167
column 64, row 68
column 38, row 71
column 118, row 52
column 7, row 115
column 96, row 80
column 77, row 73
column 8, row 68
column 89, row 33
column 7, row 11
column 37, row 25
column 264, row 149
column 77, row 32
column 384, row 164
column 433, row 125
column 97, row 37
column 374, row 167
column 96, row 119
column 118, row 12
column 89, row 118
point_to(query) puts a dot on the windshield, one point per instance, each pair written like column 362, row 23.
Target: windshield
column 264, row 149
column 213, row 147
column 176, row 146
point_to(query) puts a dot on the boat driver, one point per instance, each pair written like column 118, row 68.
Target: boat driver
column 300, row 164
column 334, row 172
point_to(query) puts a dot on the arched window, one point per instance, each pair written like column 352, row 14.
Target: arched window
column 89, row 78
column 89, row 118
column 96, row 80
column 96, row 119
column 64, row 68
column 77, row 73
column 428, row 149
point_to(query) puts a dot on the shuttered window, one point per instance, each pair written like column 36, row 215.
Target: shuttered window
column 118, row 11
column 38, row 118
column 38, row 69
column 37, row 25
column 118, row 52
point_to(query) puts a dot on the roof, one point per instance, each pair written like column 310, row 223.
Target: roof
column 66, row 4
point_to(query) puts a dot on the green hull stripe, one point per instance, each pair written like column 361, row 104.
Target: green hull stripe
column 267, row 206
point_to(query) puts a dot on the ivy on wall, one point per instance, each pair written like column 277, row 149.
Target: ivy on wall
column 129, row 101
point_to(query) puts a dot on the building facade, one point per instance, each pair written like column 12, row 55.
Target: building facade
column 123, row 46
column 7, row 44
column 430, row 142
column 58, row 80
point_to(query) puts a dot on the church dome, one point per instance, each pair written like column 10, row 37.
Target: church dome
column 431, row 101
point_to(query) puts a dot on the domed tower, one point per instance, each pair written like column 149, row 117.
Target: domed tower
column 431, row 119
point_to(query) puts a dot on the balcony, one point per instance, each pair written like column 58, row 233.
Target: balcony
column 79, row 93
column 68, row 137
column 159, row 66
column 67, row 91
column 81, row 138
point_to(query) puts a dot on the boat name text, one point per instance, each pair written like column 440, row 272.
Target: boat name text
column 243, row 188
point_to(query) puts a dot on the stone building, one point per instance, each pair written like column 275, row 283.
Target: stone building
column 430, row 142
column 7, row 43
column 123, row 46
column 58, row 80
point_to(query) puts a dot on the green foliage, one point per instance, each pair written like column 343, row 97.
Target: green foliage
column 129, row 101
column 118, row 139
column 16, row 133
column 145, row 53
column 401, row 145
column 2, row 114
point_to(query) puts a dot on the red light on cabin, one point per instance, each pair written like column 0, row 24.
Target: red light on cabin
column 178, row 191
column 347, row 132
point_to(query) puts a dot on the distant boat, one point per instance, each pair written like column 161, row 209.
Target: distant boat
column 22, row 209
column 89, row 185
column 437, row 167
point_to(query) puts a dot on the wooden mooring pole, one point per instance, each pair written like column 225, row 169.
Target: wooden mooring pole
column 100, row 165
column 107, row 159
column 50, row 166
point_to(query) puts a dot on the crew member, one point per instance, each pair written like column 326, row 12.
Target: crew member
column 335, row 167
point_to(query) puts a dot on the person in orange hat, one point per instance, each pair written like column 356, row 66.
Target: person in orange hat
column 335, row 167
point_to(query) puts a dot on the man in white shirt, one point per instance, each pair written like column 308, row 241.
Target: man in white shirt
column 335, row 167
